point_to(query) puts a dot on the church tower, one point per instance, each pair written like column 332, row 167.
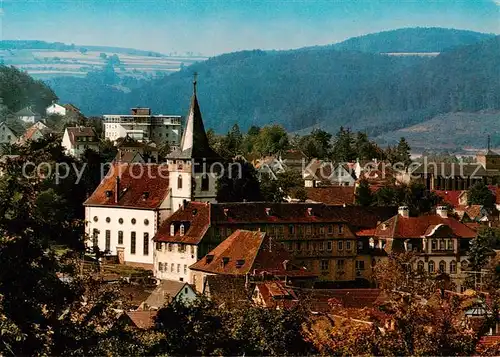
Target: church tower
column 193, row 167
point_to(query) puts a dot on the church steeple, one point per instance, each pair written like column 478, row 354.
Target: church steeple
column 194, row 142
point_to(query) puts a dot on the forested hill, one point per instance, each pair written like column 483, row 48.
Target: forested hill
column 18, row 90
column 324, row 87
column 412, row 40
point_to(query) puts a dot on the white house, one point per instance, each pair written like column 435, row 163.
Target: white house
column 123, row 213
column 27, row 115
column 35, row 132
column 7, row 135
column 78, row 139
column 55, row 109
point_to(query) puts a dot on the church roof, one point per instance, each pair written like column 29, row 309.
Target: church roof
column 194, row 143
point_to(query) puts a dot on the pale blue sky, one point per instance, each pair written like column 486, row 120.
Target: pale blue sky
column 218, row 26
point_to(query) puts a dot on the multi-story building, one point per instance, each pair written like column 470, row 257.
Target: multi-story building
column 7, row 135
column 122, row 215
column 321, row 238
column 78, row 139
column 439, row 241
column 141, row 125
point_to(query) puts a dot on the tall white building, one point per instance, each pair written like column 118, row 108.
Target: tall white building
column 141, row 125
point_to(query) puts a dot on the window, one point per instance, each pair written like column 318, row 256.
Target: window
column 181, row 230
column 120, row 237
column 108, row 219
column 340, row 264
column 449, row 243
column 291, row 229
column 172, row 267
column 204, row 182
column 433, row 244
column 308, row 229
column 132, row 242
column 324, row 265
column 160, row 266
column 431, row 266
column 96, row 219
column 178, row 268
column 185, row 269
column 133, row 221
column 330, row 229
column 341, row 229
column 360, row 245
column 179, row 182
column 120, row 220
column 360, row 265
column 146, row 222
column 95, row 237
column 453, row 267
column 146, row 244
column 181, row 248
column 108, row 240
column 299, row 245
column 348, row 245
column 442, row 266
column 321, row 245
column 329, row 245
column 172, row 230
column 322, row 229
column 308, row 245
column 441, row 244
column 221, row 232
column 340, row 245
column 420, row 266
column 192, row 250
column 158, row 245
column 169, row 247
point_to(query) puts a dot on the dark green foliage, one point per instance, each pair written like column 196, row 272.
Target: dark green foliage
column 481, row 248
column 479, row 194
column 19, row 90
column 343, row 147
column 418, row 199
column 239, row 183
column 318, row 144
column 364, row 196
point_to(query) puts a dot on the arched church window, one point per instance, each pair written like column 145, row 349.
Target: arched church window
column 179, row 182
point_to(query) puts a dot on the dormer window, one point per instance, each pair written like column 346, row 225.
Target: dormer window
column 145, row 195
column 225, row 260
column 239, row 263
column 209, row 258
column 172, row 229
column 181, row 230
column 268, row 211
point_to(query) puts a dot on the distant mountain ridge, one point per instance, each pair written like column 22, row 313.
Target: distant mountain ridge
column 319, row 87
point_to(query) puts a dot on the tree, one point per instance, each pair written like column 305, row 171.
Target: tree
column 480, row 249
column 480, row 194
column 316, row 145
column 403, row 152
column 271, row 140
column 164, row 150
column 233, row 141
column 343, row 146
column 238, row 183
column 364, row 196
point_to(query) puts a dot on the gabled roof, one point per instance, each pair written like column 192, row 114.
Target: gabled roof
column 276, row 295
column 135, row 181
column 194, row 143
column 332, row 195
column 451, row 198
column 416, row 227
column 164, row 293
column 71, row 107
column 39, row 128
column 196, row 218
column 26, row 112
column 142, row 319
column 241, row 253
column 80, row 131
column 128, row 156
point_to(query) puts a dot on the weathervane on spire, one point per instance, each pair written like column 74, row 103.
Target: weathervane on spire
column 195, row 76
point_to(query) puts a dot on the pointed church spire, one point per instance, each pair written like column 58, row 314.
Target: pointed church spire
column 194, row 142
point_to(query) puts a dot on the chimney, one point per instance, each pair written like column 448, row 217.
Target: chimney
column 117, row 189
column 442, row 211
column 404, row 211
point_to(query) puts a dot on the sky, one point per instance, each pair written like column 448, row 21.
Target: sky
column 212, row 27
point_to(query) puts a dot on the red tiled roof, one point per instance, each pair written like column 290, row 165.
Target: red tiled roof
column 196, row 219
column 275, row 295
column 142, row 319
column 368, row 232
column 332, row 195
column 450, row 197
column 319, row 299
column 415, row 227
column 80, row 131
column 141, row 186
column 241, row 253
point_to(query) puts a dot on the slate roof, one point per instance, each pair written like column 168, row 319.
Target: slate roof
column 135, row 181
column 242, row 252
column 164, row 293
column 332, row 195
column 415, row 227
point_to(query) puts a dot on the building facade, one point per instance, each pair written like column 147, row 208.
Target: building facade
column 143, row 126
column 78, row 139
column 7, row 135
column 55, row 109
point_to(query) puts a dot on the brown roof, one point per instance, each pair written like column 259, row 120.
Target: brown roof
column 275, row 294
column 242, row 252
column 140, row 186
column 80, row 131
column 142, row 319
column 320, row 299
column 164, row 293
column 196, row 219
column 128, row 156
column 474, row 211
column 415, row 227
column 332, row 195
column 450, row 197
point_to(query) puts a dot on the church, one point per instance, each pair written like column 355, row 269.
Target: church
column 124, row 212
